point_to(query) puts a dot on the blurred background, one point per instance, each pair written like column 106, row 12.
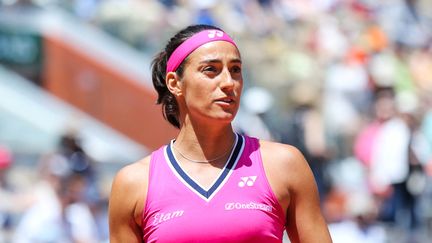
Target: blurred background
column 348, row 82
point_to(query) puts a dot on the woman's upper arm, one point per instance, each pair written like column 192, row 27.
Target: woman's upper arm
column 305, row 222
column 127, row 202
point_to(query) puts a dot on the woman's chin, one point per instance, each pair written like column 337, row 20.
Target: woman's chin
column 226, row 117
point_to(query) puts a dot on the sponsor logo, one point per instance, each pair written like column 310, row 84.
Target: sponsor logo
column 163, row 217
column 213, row 33
column 248, row 206
column 247, row 181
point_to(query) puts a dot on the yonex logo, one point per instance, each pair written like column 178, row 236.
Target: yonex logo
column 247, row 181
column 214, row 33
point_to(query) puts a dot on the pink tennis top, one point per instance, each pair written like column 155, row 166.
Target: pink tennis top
column 240, row 206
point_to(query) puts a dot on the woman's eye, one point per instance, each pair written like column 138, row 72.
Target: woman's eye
column 210, row 69
column 236, row 69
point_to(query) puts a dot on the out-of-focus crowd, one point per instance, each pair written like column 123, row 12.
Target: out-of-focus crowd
column 61, row 198
column 351, row 82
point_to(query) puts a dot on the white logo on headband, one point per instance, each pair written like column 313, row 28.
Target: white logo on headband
column 214, row 33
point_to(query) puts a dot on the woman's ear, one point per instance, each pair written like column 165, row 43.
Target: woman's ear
column 173, row 83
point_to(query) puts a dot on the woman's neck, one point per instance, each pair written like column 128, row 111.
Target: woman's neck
column 204, row 142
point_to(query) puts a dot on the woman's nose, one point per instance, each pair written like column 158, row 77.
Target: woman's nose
column 227, row 80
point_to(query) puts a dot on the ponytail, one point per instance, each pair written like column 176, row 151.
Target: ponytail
column 170, row 108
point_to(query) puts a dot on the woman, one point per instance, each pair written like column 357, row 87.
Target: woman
column 211, row 184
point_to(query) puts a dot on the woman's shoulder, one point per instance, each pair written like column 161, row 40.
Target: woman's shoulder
column 129, row 189
column 133, row 174
column 131, row 180
column 284, row 161
column 281, row 153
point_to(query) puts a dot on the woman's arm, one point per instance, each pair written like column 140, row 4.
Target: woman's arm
column 305, row 222
column 294, row 185
column 126, row 203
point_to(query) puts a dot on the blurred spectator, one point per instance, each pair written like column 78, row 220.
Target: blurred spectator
column 13, row 202
column 360, row 224
column 385, row 147
column 426, row 129
column 304, row 129
column 5, row 193
column 59, row 213
column 406, row 23
column 79, row 162
column 418, row 155
column 420, row 65
column 383, row 110
column 70, row 147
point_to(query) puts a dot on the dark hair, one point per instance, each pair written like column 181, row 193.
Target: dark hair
column 384, row 92
column 170, row 108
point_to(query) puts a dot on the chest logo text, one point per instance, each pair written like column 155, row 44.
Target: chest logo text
column 163, row 217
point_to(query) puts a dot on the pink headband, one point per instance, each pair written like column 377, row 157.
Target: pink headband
column 197, row 40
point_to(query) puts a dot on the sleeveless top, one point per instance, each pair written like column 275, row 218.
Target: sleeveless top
column 240, row 206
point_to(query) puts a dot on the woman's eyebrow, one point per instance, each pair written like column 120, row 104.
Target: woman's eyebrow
column 236, row 60
column 215, row 60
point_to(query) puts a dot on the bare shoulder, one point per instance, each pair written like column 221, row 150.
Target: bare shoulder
column 133, row 175
column 279, row 150
column 284, row 158
column 287, row 170
column 293, row 183
column 129, row 188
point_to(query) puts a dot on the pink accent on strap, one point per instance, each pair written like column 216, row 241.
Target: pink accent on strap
column 197, row 40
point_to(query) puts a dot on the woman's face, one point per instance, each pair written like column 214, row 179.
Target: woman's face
column 212, row 82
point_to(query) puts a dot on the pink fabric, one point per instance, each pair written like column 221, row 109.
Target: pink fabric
column 365, row 143
column 197, row 40
column 5, row 158
column 242, row 209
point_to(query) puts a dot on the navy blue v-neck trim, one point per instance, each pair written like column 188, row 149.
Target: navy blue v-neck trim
column 230, row 165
